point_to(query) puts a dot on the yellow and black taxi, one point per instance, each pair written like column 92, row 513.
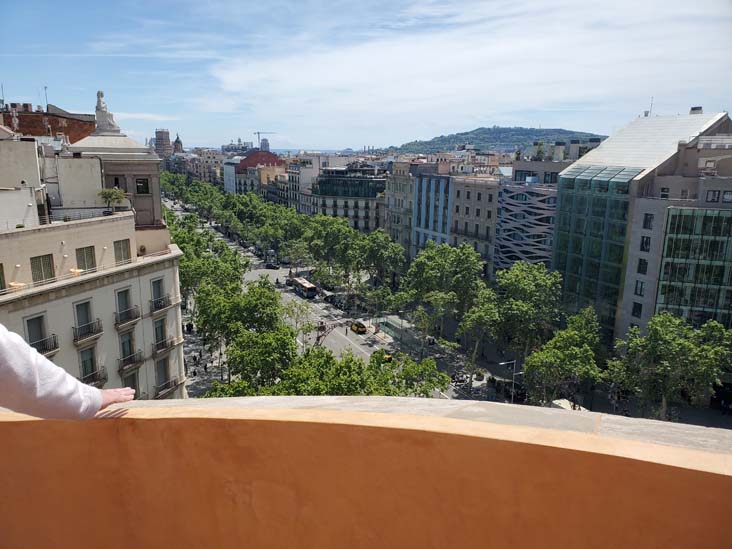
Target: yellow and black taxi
column 358, row 327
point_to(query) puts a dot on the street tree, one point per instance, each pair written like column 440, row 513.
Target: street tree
column 479, row 323
column 528, row 303
column 672, row 361
column 566, row 363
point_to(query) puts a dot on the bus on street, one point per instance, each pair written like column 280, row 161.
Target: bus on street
column 303, row 288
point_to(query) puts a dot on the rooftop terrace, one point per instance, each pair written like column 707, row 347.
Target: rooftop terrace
column 361, row 472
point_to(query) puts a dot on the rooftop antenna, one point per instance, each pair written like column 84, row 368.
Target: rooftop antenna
column 650, row 110
column 45, row 92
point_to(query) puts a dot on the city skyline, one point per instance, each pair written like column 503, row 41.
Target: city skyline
column 336, row 75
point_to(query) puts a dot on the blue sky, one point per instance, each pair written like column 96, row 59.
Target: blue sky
column 332, row 74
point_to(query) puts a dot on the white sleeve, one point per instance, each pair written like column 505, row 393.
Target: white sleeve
column 33, row 385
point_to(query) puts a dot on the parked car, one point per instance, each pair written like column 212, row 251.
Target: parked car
column 358, row 327
column 288, row 281
column 270, row 265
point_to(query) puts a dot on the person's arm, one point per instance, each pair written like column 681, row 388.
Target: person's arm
column 32, row 384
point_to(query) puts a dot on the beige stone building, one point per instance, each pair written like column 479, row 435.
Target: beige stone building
column 94, row 290
column 474, row 215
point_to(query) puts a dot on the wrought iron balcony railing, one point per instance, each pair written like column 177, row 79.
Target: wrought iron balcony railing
column 86, row 331
column 160, row 303
column 128, row 315
column 97, row 377
column 47, row 345
column 128, row 363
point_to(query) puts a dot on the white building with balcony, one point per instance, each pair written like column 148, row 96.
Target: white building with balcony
column 88, row 288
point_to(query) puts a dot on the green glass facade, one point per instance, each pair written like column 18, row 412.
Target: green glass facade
column 590, row 236
column 696, row 272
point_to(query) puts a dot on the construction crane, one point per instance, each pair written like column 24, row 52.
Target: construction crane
column 259, row 137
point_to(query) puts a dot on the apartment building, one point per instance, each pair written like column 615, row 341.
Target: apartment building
column 643, row 223
column 453, row 209
column 207, row 165
column 355, row 192
column 251, row 171
column 399, row 196
column 475, row 204
column 91, row 288
column 304, row 169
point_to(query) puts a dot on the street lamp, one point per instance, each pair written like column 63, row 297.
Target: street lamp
column 513, row 377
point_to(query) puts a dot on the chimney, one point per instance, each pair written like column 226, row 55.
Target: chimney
column 645, row 114
column 696, row 110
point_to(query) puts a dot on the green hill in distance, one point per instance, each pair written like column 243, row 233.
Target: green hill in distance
column 495, row 138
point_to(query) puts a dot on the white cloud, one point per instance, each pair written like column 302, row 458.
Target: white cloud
column 479, row 61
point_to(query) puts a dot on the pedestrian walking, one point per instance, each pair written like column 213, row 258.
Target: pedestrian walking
column 205, row 367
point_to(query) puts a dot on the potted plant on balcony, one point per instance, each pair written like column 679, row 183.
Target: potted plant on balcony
column 111, row 196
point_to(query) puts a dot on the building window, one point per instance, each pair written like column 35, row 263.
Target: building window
column 131, row 382
column 457, row 209
column 479, row 197
column 645, row 244
column 477, row 212
column 664, row 192
column 488, row 214
column 637, row 309
column 159, row 328
column 2, row 277
column 465, row 228
column 712, row 196
column 467, row 210
column 477, row 230
column 457, row 193
column 648, row 221
column 642, row 266
column 162, row 375
column 639, row 288
column 490, row 197
column 88, row 362
column 36, row 331
column 42, row 268
column 467, row 195
column 727, row 196
column 85, row 259
column 122, row 250
column 126, row 344
column 142, row 185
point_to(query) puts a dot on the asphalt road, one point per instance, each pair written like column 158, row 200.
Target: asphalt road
column 340, row 339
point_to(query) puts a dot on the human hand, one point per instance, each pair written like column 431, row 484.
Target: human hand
column 116, row 396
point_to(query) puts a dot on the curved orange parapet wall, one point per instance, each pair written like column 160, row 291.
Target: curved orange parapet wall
column 222, row 478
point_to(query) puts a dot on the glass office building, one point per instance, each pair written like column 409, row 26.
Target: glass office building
column 590, row 237
column 696, row 272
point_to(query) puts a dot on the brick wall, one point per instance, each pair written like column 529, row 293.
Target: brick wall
column 37, row 123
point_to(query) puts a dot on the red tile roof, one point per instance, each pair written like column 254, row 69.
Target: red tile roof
column 259, row 158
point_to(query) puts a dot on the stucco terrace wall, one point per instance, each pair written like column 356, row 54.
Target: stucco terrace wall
column 361, row 472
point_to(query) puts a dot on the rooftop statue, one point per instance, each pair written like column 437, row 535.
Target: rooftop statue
column 105, row 119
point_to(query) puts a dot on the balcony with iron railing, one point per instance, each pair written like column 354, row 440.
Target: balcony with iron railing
column 130, row 363
column 379, row 472
column 89, row 331
column 160, row 303
column 46, row 346
column 123, row 319
column 163, row 345
column 167, row 388
column 97, row 378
